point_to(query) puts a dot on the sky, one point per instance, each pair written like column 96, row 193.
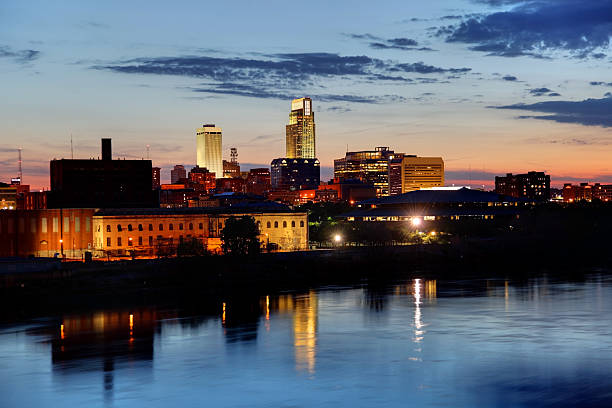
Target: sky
column 492, row 86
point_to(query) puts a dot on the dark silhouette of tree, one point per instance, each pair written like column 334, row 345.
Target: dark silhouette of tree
column 240, row 236
column 191, row 247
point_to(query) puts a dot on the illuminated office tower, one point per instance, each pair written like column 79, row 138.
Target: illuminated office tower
column 208, row 149
column 301, row 130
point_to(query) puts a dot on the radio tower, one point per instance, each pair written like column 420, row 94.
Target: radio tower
column 234, row 155
column 148, row 148
column 20, row 175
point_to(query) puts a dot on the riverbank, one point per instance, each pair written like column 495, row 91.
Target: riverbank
column 75, row 286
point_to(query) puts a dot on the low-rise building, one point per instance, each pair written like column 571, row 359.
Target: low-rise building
column 587, row 192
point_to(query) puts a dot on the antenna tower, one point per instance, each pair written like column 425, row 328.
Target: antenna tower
column 20, row 175
column 148, row 149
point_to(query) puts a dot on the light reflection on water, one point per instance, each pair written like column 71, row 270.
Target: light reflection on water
column 421, row 342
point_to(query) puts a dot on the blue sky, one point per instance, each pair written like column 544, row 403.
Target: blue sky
column 493, row 86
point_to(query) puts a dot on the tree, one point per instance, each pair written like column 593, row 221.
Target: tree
column 191, row 247
column 240, row 236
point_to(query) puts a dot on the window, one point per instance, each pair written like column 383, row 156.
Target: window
column 220, row 225
column 201, row 226
column 21, row 224
column 77, row 224
column 275, row 224
column 190, row 226
column 43, row 226
column 161, row 227
column 119, row 228
column 118, row 241
column 55, row 224
column 284, row 224
column 140, row 227
column 108, row 242
column 108, row 228
column 292, row 224
column 150, row 227
column 87, row 224
column 129, row 227
column 66, row 224
column 130, row 241
column 181, row 226
column 301, row 224
column 140, row 241
column 32, row 225
column 171, row 227
column 268, row 225
column 150, row 240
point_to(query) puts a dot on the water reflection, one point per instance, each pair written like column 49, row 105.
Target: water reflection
column 99, row 341
column 534, row 343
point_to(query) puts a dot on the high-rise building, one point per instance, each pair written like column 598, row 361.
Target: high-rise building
column 300, row 131
column 295, row 174
column 208, row 149
column 177, row 174
column 156, row 176
column 106, row 183
column 409, row 173
column 368, row 166
column 535, row 185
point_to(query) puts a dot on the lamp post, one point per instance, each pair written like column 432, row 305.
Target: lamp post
column 338, row 239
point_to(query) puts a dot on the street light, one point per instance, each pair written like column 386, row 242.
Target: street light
column 337, row 238
column 416, row 221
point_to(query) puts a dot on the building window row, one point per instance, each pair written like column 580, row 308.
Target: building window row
column 269, row 224
column 160, row 227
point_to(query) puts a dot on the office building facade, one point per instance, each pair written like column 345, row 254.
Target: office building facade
column 534, row 185
column 409, row 173
column 367, row 166
column 178, row 174
column 300, row 132
column 209, row 149
column 295, row 174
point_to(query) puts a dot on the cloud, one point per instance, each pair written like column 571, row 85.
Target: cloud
column 600, row 83
column 510, row 78
column 539, row 91
column 19, row 56
column 537, row 28
column 423, row 68
column 280, row 76
column 379, row 43
column 339, row 109
column 588, row 112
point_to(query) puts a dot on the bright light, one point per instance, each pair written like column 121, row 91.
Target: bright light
column 61, row 240
column 432, row 233
column 337, row 238
column 416, row 221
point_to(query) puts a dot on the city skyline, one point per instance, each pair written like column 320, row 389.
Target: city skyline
column 419, row 80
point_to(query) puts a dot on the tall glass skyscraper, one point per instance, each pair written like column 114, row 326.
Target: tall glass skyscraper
column 301, row 130
column 208, row 149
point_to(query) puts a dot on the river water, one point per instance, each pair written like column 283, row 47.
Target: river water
column 421, row 343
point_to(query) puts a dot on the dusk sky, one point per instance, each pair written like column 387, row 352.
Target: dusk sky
column 492, row 86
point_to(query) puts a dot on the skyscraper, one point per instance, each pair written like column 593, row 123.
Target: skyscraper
column 301, row 130
column 208, row 148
